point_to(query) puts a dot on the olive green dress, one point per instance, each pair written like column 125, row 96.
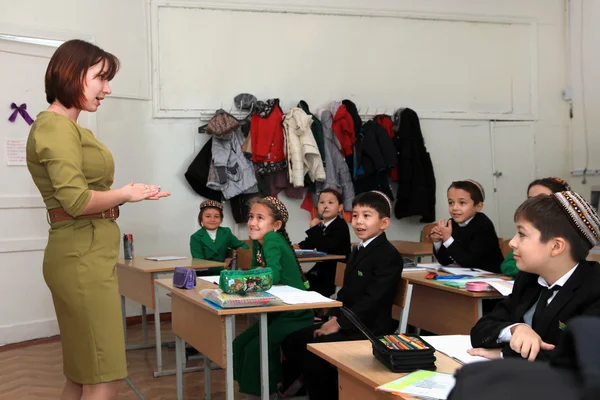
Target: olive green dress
column 66, row 162
column 279, row 256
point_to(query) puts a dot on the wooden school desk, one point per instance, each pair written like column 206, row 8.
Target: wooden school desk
column 410, row 249
column 442, row 309
column 359, row 372
column 136, row 282
column 413, row 249
column 320, row 258
column 593, row 257
column 210, row 330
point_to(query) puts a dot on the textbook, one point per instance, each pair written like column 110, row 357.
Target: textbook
column 426, row 385
column 165, row 258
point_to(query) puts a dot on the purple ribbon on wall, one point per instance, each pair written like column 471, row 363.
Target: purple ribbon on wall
column 22, row 109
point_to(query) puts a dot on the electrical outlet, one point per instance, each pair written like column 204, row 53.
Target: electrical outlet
column 567, row 94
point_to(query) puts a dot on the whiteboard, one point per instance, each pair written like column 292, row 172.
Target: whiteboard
column 203, row 57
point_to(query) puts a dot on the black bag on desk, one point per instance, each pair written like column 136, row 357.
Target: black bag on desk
column 402, row 360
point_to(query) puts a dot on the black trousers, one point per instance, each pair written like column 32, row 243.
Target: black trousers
column 320, row 377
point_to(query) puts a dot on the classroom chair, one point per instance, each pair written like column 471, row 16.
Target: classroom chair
column 401, row 305
column 505, row 247
column 243, row 259
column 425, row 233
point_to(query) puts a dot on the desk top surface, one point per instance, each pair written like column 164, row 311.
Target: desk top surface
column 418, row 278
column 194, row 297
column 139, row 263
column 321, row 258
column 356, row 358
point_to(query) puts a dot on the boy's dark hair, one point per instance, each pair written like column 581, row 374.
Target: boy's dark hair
column 470, row 188
column 208, row 208
column 374, row 200
column 555, row 185
column 337, row 194
column 546, row 215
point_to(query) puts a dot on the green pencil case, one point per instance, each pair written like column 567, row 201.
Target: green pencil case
column 240, row 282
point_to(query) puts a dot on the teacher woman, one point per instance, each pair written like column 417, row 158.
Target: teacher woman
column 74, row 173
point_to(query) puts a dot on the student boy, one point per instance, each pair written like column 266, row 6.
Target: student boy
column 554, row 236
column 370, row 281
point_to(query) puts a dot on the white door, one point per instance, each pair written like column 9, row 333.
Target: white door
column 28, row 311
column 514, row 169
column 460, row 150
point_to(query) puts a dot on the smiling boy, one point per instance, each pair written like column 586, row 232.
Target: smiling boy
column 370, row 281
column 554, row 236
column 468, row 238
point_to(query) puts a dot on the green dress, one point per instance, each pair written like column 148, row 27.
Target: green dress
column 278, row 256
column 66, row 162
column 509, row 265
column 203, row 247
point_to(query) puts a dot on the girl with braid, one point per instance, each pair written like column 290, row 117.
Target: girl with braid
column 271, row 247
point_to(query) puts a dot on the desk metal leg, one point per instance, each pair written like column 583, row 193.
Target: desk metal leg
column 124, row 315
column 158, row 339
column 264, row 357
column 479, row 308
column 145, row 324
column 406, row 309
column 135, row 389
column 207, row 379
column 229, row 357
column 179, row 361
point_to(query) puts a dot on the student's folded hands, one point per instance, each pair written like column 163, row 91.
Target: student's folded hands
column 525, row 341
column 328, row 328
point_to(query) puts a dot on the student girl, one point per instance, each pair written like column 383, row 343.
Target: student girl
column 271, row 247
column 212, row 241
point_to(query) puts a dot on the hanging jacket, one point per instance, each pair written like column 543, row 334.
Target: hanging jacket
column 302, row 150
column 343, row 127
column 337, row 175
column 353, row 111
column 374, row 150
column 234, row 172
column 316, row 128
column 416, row 179
column 267, row 135
column 386, row 121
column 197, row 173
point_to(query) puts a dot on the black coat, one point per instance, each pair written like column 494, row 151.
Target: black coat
column 579, row 296
column 370, row 282
column 374, row 150
column 197, row 173
column 335, row 239
column 416, row 180
column 475, row 246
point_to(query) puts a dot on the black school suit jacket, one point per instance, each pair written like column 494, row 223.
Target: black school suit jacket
column 370, row 281
column 335, row 239
column 475, row 246
column 579, row 296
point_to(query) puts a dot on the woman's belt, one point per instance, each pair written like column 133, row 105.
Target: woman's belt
column 59, row 214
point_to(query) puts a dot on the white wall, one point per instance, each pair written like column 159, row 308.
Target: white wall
column 159, row 151
column 585, row 36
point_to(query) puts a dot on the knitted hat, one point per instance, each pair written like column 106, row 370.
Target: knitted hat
column 279, row 206
column 212, row 204
column 562, row 182
column 478, row 185
column 581, row 215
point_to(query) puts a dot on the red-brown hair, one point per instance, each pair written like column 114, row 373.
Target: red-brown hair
column 65, row 75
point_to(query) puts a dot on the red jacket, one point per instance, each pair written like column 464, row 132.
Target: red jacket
column 267, row 137
column 343, row 127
